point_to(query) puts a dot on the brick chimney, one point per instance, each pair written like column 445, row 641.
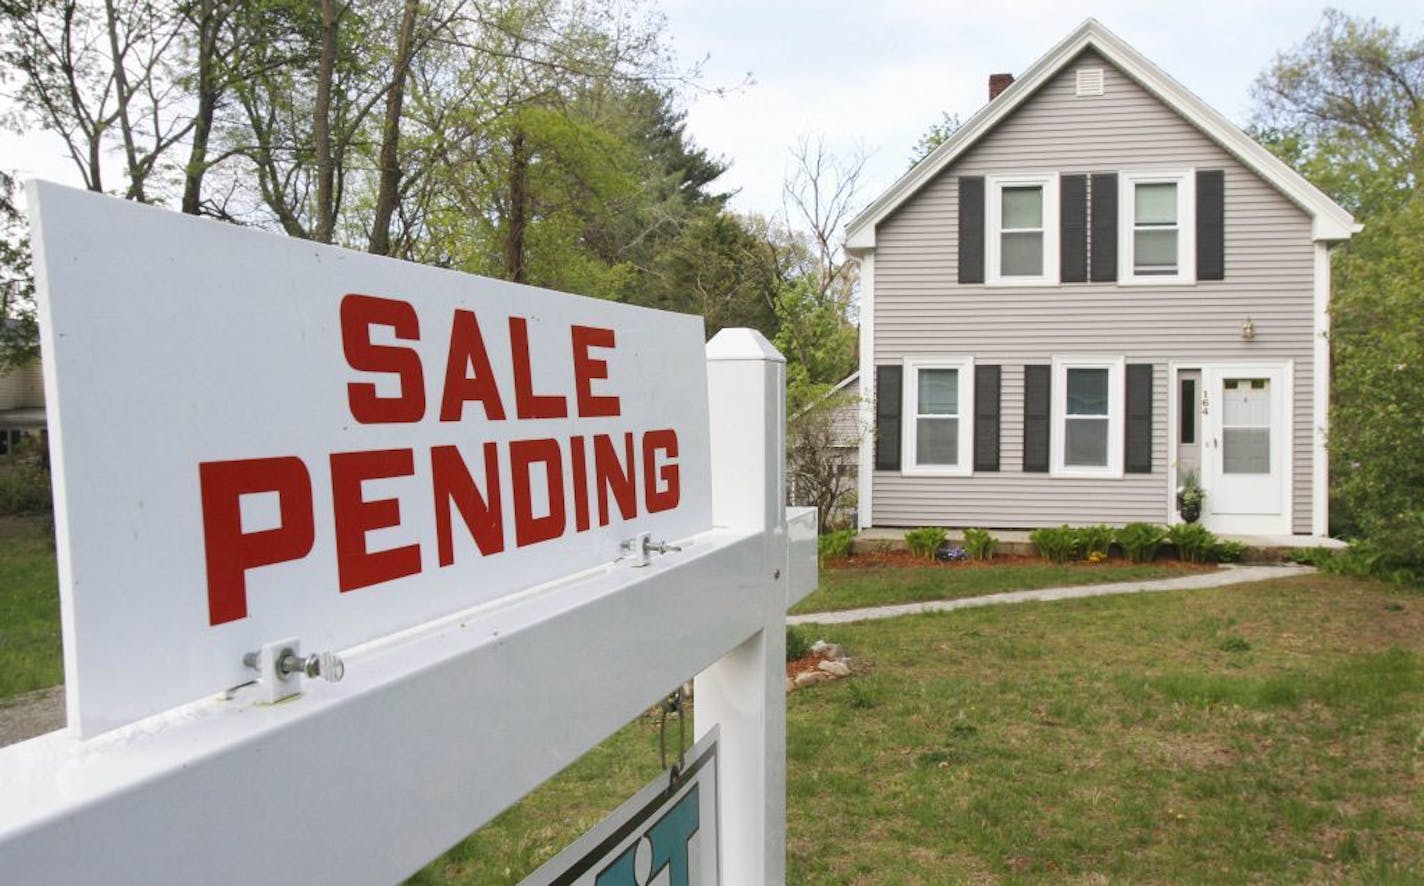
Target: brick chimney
column 998, row 83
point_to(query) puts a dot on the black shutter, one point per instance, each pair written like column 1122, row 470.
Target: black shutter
column 887, row 418
column 1138, row 440
column 1103, row 264
column 1073, row 228
column 971, row 229
column 986, row 418
column 1037, row 417
column 1211, row 224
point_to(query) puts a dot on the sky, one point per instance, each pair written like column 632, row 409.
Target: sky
column 874, row 76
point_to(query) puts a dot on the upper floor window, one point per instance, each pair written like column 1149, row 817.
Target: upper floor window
column 1022, row 230
column 1156, row 227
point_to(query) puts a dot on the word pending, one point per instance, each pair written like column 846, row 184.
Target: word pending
column 607, row 472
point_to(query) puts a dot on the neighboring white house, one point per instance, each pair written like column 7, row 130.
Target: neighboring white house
column 1096, row 283
column 22, row 405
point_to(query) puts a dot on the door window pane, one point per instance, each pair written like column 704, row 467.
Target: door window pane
column 1087, row 392
column 1246, row 426
column 937, row 441
column 939, row 392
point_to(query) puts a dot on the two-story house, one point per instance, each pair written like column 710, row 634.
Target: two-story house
column 1093, row 286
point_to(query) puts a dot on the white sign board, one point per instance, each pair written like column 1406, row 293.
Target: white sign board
column 255, row 438
column 666, row 835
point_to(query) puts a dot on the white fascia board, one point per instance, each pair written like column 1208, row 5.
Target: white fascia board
column 1331, row 221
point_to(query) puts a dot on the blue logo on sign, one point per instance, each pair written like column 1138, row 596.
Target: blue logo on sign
column 663, row 846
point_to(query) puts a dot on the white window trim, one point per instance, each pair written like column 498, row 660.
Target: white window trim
column 909, row 413
column 1185, row 180
column 1116, row 367
column 993, row 220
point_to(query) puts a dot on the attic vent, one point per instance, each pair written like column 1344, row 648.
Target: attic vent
column 1090, row 81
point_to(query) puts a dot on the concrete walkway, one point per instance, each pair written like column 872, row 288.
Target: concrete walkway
column 1226, row 575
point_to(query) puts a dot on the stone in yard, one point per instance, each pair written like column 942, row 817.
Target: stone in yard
column 835, row 668
column 834, row 651
column 810, row 678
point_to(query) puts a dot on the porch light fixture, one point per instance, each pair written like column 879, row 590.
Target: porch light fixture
column 1248, row 330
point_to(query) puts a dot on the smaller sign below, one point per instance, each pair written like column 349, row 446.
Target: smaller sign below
column 666, row 835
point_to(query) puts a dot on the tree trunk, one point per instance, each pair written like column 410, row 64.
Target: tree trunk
column 321, row 127
column 518, row 209
column 388, row 191
column 209, row 23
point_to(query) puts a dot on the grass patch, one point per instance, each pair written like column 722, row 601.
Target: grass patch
column 30, row 652
column 1113, row 739
column 887, row 586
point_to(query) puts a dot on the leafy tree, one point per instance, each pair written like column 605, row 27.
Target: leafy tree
column 936, row 135
column 19, row 336
column 1346, row 108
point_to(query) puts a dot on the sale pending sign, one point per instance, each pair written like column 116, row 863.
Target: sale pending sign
column 255, row 437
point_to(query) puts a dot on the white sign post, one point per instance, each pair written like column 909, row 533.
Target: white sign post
column 516, row 517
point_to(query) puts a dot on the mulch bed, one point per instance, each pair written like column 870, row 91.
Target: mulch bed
column 811, row 661
column 905, row 558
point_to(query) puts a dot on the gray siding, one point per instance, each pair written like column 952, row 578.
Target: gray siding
column 920, row 311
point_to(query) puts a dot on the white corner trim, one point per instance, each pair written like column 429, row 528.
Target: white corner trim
column 865, row 475
column 1320, row 381
column 1330, row 220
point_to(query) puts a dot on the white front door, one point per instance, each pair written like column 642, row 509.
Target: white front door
column 1244, row 448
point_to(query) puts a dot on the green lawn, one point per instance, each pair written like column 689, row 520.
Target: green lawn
column 1272, row 732
column 854, row 587
column 30, row 652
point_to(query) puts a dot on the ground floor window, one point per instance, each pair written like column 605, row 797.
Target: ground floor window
column 1087, row 416
column 938, row 406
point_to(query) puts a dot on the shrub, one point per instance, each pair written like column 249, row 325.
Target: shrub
column 798, row 642
column 1140, row 541
column 1094, row 540
column 1058, row 544
column 1193, row 541
column 835, row 544
column 1318, row 557
column 980, row 544
column 24, row 488
column 1228, row 551
column 925, row 541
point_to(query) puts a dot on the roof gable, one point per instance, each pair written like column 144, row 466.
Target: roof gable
column 1329, row 220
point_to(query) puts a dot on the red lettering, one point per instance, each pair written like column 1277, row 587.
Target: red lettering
column 357, row 567
column 580, row 466
column 528, row 404
column 586, row 369
column 661, row 489
column 523, row 454
column 230, row 552
column 610, row 475
column 481, row 513
column 358, row 314
column 467, row 351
